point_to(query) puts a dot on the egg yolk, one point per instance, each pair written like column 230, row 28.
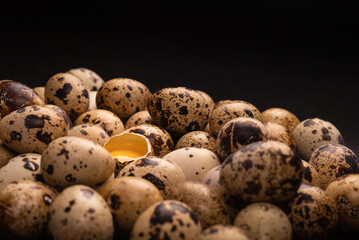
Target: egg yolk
column 129, row 153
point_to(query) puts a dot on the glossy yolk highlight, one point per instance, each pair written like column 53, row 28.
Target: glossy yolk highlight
column 129, row 153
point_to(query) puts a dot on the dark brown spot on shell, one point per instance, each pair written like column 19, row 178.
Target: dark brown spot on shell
column 50, row 169
column 44, row 137
column 155, row 181
column 62, row 93
column 30, row 165
column 70, row 178
column 16, row 136
column 115, row 201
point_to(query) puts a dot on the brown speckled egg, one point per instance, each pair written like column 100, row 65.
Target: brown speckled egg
column 31, row 129
column 179, row 110
column 73, row 160
column 310, row 174
column 123, row 96
column 24, row 207
column 282, row 117
column 21, row 167
column 238, row 133
column 107, row 120
column 345, row 191
column 310, row 134
column 161, row 141
column 264, row 221
column 40, row 91
column 15, row 95
column 94, row 133
column 280, row 133
column 230, row 109
column 92, row 96
column 168, row 219
column 263, row 171
column 209, row 207
column 208, row 99
column 220, row 231
column 80, row 211
column 5, row 154
column 165, row 175
column 198, row 139
column 89, row 77
column 312, row 212
column 195, row 162
column 141, row 117
column 62, row 113
column 127, row 198
column 68, row 92
column 332, row 161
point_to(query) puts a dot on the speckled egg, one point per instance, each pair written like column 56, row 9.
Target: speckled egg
column 311, row 175
column 264, row 221
column 80, row 211
column 280, row 116
column 168, row 219
column 62, row 113
column 40, row 91
column 332, row 161
column 208, row 98
column 161, row 141
column 312, row 212
column 194, row 162
column 198, row 139
column 73, row 160
column 107, row 120
column 5, row 154
column 94, row 133
column 24, row 207
column 310, row 134
column 164, row 174
column 127, row 198
column 21, row 167
column 280, row 133
column 123, row 96
column 15, row 95
column 141, row 117
column 220, row 231
column 179, row 110
column 89, row 77
column 237, row 133
column 31, row 129
column 92, row 96
column 68, row 92
column 267, row 171
column 230, row 109
column 209, row 207
column 345, row 191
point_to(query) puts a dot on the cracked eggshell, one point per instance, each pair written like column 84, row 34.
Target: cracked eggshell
column 91, row 132
column 80, row 211
column 31, row 129
column 280, row 133
column 264, row 221
column 69, row 93
column 141, row 117
column 24, row 209
column 73, row 160
column 198, row 139
column 111, row 123
column 282, row 117
column 267, row 171
column 179, row 110
column 168, row 219
column 92, row 80
column 345, row 192
column 220, row 231
column 310, row 175
column 164, row 174
column 123, row 96
column 313, row 133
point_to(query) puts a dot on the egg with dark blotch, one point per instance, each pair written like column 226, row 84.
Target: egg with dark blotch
column 282, row 117
column 280, row 133
column 141, row 117
column 5, row 154
column 31, row 129
column 220, row 231
column 310, row 175
column 198, row 139
column 92, row 80
column 91, row 132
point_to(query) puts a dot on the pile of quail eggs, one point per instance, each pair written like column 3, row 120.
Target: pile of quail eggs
column 218, row 170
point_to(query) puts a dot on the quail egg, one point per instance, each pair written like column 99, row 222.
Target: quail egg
column 94, row 133
column 92, row 80
column 198, row 139
column 138, row 118
column 282, row 117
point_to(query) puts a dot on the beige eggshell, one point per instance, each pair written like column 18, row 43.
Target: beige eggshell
column 264, row 220
column 345, row 192
column 40, row 91
column 198, row 139
column 220, row 231
column 179, row 110
column 313, row 133
column 127, row 198
column 92, row 96
column 5, row 154
column 209, row 207
column 94, row 133
column 208, row 98
column 107, row 120
column 168, row 219
column 141, row 117
column 280, row 133
column 267, row 171
column 73, row 160
column 31, row 129
column 282, row 117
column 62, row 113
column 89, row 77
column 69, row 93
column 226, row 110
column 332, row 161
column 164, row 174
column 24, row 209
column 310, row 175
column 123, row 96
column 80, row 211
column 194, row 162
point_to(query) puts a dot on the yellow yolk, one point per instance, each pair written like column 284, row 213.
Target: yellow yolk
column 129, row 153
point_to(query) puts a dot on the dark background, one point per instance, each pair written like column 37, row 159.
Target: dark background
column 301, row 55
